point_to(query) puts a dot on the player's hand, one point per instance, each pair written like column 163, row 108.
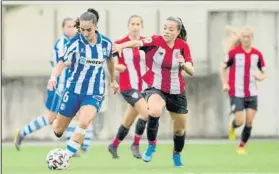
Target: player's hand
column 226, row 87
column 259, row 76
column 120, row 68
column 117, row 48
column 114, row 86
column 181, row 59
column 52, row 83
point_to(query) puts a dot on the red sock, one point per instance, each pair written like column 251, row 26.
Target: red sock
column 175, row 152
column 153, row 142
column 116, row 142
column 241, row 144
column 137, row 139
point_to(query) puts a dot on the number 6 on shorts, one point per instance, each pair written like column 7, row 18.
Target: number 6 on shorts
column 70, row 104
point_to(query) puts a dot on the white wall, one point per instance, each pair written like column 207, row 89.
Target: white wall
column 30, row 56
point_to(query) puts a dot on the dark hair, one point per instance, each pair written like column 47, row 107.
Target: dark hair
column 135, row 16
column 65, row 20
column 95, row 12
column 90, row 15
column 180, row 27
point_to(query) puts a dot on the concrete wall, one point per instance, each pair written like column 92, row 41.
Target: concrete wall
column 29, row 34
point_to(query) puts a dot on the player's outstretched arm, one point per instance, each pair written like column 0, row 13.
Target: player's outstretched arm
column 117, row 48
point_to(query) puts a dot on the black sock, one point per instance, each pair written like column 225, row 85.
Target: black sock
column 152, row 128
column 122, row 132
column 140, row 126
column 246, row 134
column 57, row 135
column 234, row 124
column 179, row 142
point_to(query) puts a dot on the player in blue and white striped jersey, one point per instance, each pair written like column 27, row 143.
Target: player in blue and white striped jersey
column 85, row 88
column 53, row 97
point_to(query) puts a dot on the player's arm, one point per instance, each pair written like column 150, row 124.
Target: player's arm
column 187, row 65
column 261, row 65
column 135, row 43
column 111, row 70
column 65, row 59
column 118, row 67
column 223, row 69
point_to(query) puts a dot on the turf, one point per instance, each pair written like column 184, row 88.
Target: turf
column 262, row 157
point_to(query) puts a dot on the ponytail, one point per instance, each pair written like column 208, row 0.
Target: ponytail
column 183, row 33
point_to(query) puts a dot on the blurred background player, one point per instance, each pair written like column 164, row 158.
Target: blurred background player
column 86, row 53
column 243, row 61
column 71, row 128
column 166, row 57
column 53, row 97
column 131, row 65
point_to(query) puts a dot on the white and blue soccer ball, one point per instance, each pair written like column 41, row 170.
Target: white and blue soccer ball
column 58, row 159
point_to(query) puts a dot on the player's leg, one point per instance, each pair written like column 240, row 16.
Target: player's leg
column 88, row 110
column 68, row 108
column 177, row 107
column 43, row 120
column 88, row 135
column 156, row 103
column 251, row 106
column 129, row 118
column 142, row 108
column 237, row 108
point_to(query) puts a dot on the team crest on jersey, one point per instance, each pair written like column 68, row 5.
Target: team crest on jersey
column 147, row 40
column 104, row 52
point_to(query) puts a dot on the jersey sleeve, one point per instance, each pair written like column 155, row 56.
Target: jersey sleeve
column 229, row 59
column 186, row 53
column 109, row 50
column 261, row 63
column 71, row 49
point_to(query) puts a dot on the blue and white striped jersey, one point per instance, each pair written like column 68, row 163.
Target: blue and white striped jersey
column 87, row 64
column 58, row 52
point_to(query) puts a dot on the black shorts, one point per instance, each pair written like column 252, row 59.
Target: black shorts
column 241, row 103
column 132, row 96
column 176, row 103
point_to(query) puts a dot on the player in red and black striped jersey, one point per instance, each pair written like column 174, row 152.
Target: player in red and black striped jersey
column 167, row 56
column 243, row 62
column 131, row 66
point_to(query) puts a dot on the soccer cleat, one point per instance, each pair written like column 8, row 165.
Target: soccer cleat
column 18, row 139
column 241, row 151
column 135, row 151
column 177, row 160
column 232, row 135
column 147, row 156
column 77, row 154
column 113, row 151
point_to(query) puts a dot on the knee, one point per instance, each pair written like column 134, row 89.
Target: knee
column 239, row 121
column 51, row 117
column 249, row 123
column 155, row 111
column 179, row 131
column 83, row 124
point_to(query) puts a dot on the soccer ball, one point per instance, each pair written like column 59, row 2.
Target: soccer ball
column 57, row 159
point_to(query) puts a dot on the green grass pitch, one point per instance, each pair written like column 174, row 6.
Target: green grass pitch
column 262, row 157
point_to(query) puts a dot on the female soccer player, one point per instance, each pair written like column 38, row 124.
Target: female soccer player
column 166, row 57
column 243, row 62
column 86, row 53
column 71, row 128
column 131, row 65
column 53, row 97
